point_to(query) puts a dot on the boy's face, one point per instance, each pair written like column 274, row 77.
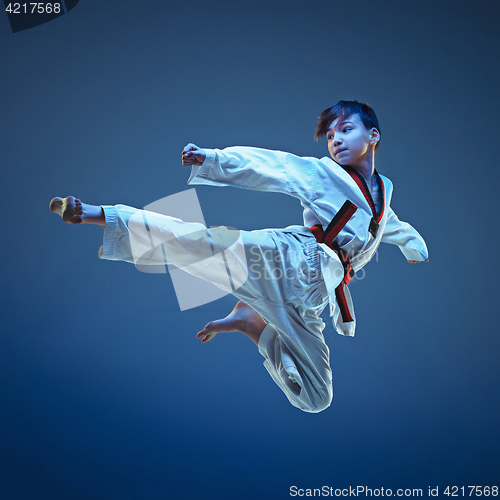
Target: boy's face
column 349, row 142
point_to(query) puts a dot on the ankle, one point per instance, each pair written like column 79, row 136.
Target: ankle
column 253, row 328
column 94, row 214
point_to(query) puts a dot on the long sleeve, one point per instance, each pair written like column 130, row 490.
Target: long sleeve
column 258, row 169
column 405, row 236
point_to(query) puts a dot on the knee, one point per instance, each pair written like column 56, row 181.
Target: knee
column 322, row 400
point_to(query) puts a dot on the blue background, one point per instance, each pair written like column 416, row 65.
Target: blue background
column 104, row 391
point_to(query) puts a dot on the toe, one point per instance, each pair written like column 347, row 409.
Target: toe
column 55, row 203
column 208, row 337
column 201, row 334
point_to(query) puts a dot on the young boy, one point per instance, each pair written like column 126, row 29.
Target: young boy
column 286, row 276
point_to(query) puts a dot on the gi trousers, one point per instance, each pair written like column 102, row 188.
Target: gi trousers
column 277, row 272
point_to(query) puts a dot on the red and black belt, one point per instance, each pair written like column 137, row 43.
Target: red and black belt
column 328, row 237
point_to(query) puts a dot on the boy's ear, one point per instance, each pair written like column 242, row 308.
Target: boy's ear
column 374, row 136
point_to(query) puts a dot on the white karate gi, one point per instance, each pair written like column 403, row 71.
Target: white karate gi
column 291, row 277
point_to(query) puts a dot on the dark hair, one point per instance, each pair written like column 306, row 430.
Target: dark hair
column 344, row 110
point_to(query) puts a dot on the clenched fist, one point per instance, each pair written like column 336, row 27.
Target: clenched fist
column 193, row 155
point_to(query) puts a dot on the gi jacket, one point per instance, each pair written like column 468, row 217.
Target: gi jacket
column 322, row 186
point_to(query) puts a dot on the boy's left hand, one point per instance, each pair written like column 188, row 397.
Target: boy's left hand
column 417, row 261
column 193, row 155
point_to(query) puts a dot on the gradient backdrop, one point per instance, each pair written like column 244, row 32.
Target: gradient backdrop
column 105, row 392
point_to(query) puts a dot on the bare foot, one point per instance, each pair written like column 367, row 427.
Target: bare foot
column 241, row 319
column 70, row 209
column 73, row 211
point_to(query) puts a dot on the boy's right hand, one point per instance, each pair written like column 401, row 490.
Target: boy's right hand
column 193, row 155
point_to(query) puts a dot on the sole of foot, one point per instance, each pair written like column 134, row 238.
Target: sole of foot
column 70, row 209
column 241, row 319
